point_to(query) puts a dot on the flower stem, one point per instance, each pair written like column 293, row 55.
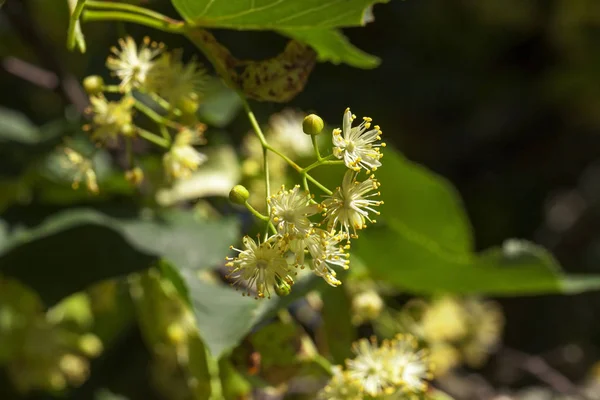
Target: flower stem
column 318, row 184
column 255, row 212
column 154, row 116
column 323, row 363
column 212, row 365
column 71, row 33
column 316, row 147
column 161, row 25
column 151, row 137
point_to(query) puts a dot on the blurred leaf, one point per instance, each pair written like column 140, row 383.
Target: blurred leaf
column 331, row 45
column 276, row 14
column 220, row 104
column 435, row 394
column 423, row 243
column 223, row 315
column 337, row 323
column 15, row 127
column 73, row 249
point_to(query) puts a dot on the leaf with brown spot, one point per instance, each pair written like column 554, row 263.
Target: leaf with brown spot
column 278, row 79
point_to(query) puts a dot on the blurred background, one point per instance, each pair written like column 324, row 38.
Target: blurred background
column 500, row 97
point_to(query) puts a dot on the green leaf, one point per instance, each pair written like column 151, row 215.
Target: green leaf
column 15, row 127
column 223, row 315
column 331, row 45
column 337, row 325
column 276, row 14
column 220, row 104
column 73, row 249
column 423, row 243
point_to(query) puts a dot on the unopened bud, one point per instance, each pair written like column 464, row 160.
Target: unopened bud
column 90, row 345
column 283, row 287
column 128, row 130
column 134, row 176
column 189, row 104
column 93, row 84
column 312, row 124
column 239, row 195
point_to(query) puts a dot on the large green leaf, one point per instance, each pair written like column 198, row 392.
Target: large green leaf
column 331, row 45
column 423, row 243
column 73, row 249
column 276, row 14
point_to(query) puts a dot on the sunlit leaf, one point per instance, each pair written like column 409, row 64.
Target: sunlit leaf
column 331, row 45
column 276, row 14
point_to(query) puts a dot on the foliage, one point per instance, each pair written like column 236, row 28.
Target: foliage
column 128, row 209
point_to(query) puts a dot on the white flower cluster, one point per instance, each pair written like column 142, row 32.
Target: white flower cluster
column 261, row 266
column 394, row 369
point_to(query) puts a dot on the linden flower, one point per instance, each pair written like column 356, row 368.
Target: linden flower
column 111, row 118
column 175, row 81
column 341, row 387
column 261, row 266
column 356, row 145
column 183, row 159
column 349, row 205
column 325, row 250
column 410, row 366
column 370, row 367
column 83, row 170
column 290, row 211
column 131, row 65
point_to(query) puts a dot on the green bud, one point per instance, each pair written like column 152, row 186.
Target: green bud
column 90, row 345
column 283, row 287
column 93, row 84
column 189, row 104
column 312, row 124
column 239, row 194
column 128, row 130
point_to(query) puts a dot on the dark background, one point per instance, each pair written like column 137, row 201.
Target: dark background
column 500, row 97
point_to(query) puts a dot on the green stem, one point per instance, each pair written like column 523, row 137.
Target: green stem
column 323, row 363
column 71, row 33
column 212, row 365
column 255, row 212
column 161, row 25
column 267, row 184
column 318, row 184
column 165, row 133
column 151, row 137
column 272, row 227
column 313, row 139
column 285, row 158
column 112, row 89
column 104, row 5
column 154, row 116
column 322, row 161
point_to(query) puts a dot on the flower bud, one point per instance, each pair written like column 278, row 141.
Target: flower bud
column 312, row 124
column 189, row 104
column 239, row 195
column 134, row 176
column 90, row 345
column 283, row 287
column 93, row 84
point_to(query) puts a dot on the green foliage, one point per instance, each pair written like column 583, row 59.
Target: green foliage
column 101, row 247
column 331, row 45
column 423, row 244
column 275, row 14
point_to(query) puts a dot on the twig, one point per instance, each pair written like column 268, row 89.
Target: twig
column 31, row 73
column 538, row 367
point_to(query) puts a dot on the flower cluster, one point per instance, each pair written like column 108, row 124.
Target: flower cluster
column 393, row 368
column 455, row 330
column 156, row 89
column 292, row 213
